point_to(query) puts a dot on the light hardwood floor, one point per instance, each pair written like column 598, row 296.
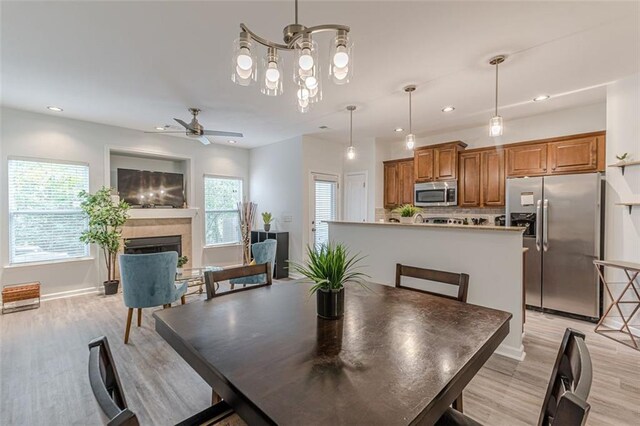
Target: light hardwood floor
column 43, row 370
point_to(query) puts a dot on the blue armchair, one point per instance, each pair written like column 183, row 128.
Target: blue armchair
column 148, row 280
column 264, row 252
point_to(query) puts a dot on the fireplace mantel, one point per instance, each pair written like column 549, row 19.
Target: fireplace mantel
column 162, row 213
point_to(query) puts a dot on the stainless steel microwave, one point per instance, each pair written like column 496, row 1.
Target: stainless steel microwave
column 434, row 194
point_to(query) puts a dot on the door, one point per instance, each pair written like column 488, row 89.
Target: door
column 571, row 229
column 324, row 206
column 469, row 183
column 527, row 160
column 390, row 185
column 406, row 182
column 445, row 163
column 423, row 165
column 574, row 155
column 493, row 180
column 355, row 197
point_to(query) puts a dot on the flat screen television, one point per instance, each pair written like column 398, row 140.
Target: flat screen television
column 143, row 188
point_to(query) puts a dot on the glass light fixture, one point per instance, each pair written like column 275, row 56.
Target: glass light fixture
column 272, row 79
column 302, row 98
column 496, row 126
column 351, row 150
column 306, row 59
column 341, row 66
column 243, row 64
column 410, row 139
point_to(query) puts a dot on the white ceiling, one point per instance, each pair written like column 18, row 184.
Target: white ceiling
column 139, row 64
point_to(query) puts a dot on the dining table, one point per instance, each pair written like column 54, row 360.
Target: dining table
column 396, row 357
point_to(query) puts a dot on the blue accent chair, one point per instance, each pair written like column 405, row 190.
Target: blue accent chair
column 264, row 252
column 148, row 280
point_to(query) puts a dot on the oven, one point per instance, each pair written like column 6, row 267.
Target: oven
column 433, row 194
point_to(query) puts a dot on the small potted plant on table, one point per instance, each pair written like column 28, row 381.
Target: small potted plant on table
column 182, row 260
column 330, row 268
column 267, row 218
column 407, row 212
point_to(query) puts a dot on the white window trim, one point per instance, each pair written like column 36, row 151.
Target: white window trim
column 9, row 265
column 204, row 210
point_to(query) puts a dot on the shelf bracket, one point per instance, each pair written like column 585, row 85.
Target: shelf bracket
column 622, row 167
column 630, row 207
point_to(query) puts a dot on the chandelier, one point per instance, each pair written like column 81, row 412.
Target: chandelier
column 306, row 66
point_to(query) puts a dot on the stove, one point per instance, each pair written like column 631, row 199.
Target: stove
column 444, row 220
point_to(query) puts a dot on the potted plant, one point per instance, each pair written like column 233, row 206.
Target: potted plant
column 267, row 218
column 330, row 268
column 106, row 219
column 182, row 260
column 407, row 212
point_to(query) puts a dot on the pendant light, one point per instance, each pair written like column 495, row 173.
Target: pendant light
column 410, row 139
column 495, row 124
column 351, row 151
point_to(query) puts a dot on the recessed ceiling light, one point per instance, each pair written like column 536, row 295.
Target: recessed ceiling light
column 160, row 128
column 55, row 108
column 232, row 142
column 398, row 129
column 541, row 98
column 448, row 109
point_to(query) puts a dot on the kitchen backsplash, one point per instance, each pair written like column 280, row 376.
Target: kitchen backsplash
column 485, row 213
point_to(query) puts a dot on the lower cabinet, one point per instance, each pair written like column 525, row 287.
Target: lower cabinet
column 482, row 179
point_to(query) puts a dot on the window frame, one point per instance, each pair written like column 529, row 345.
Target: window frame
column 88, row 251
column 204, row 209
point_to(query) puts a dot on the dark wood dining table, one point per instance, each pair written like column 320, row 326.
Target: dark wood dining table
column 398, row 357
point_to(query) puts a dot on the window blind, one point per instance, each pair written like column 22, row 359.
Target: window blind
column 222, row 220
column 45, row 219
column 326, row 209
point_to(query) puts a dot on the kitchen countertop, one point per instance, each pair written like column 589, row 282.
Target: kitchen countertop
column 436, row 225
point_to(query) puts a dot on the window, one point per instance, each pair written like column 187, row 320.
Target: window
column 222, row 220
column 45, row 219
column 325, row 207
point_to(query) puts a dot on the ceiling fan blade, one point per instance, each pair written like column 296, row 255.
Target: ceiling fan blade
column 183, row 124
column 219, row 133
column 168, row 131
column 204, row 140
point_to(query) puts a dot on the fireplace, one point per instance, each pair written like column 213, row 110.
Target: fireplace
column 153, row 244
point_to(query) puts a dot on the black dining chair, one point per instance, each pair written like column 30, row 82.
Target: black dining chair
column 565, row 403
column 459, row 280
column 108, row 392
column 262, row 273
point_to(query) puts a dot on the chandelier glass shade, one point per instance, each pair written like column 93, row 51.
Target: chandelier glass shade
column 306, row 64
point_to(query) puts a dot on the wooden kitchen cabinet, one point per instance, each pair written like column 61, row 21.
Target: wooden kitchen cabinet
column 492, row 177
column 527, row 160
column 423, row 164
column 445, row 163
column 437, row 162
column 573, row 155
column 469, row 180
column 398, row 182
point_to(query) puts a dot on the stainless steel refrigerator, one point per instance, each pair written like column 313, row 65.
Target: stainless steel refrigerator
column 564, row 219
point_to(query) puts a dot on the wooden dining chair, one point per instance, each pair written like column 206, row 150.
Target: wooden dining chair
column 565, row 403
column 212, row 279
column 107, row 389
column 459, row 280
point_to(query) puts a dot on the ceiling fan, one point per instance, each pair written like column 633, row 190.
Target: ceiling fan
column 195, row 130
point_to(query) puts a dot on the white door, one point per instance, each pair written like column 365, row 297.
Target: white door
column 355, row 197
column 324, row 206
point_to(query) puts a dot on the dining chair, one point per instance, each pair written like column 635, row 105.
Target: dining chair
column 565, row 402
column 263, row 270
column 459, row 280
column 108, row 391
column 149, row 280
column 263, row 252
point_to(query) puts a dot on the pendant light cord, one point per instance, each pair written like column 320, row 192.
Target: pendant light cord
column 351, row 127
column 410, row 131
column 296, row 1
column 497, row 64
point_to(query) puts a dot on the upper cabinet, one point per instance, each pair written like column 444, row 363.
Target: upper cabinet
column 568, row 154
column 492, row 178
column 398, row 182
column 527, row 160
column 469, row 180
column 390, row 184
column 405, row 181
column 437, row 162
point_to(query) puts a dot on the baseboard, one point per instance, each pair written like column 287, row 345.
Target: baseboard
column 510, row 352
column 71, row 293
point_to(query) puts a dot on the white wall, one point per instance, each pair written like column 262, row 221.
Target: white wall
column 365, row 161
column 29, row 134
column 623, row 135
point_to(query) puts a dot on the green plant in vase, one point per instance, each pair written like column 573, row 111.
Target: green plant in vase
column 329, row 268
column 182, row 260
column 407, row 212
column 267, row 218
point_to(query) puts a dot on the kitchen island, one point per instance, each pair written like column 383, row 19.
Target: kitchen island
column 491, row 255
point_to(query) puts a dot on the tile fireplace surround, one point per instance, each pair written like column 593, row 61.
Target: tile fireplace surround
column 160, row 227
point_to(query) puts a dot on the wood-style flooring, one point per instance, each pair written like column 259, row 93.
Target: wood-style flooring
column 43, row 370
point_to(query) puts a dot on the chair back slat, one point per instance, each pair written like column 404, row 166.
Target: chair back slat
column 459, row 280
column 106, row 386
column 565, row 401
column 213, row 277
